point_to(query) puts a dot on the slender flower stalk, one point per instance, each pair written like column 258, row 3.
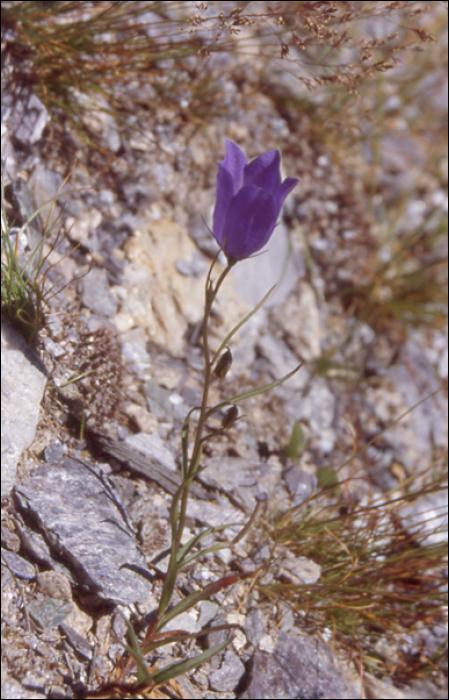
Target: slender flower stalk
column 181, row 497
column 248, row 204
column 211, row 293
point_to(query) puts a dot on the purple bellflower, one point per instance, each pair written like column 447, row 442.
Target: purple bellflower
column 249, row 200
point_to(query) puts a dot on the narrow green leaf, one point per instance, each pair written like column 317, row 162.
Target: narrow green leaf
column 296, row 443
column 143, row 674
column 197, row 596
column 240, row 324
column 170, row 580
column 328, row 478
column 202, row 552
column 185, row 444
column 194, row 467
column 197, row 538
column 181, row 667
column 185, row 549
column 77, row 378
column 254, row 392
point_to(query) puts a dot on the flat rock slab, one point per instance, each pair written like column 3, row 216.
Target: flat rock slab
column 299, row 667
column 23, row 384
column 78, row 512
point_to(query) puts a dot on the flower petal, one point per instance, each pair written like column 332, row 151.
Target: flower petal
column 284, row 189
column 225, row 193
column 250, row 221
column 249, row 200
column 234, row 162
column 265, row 171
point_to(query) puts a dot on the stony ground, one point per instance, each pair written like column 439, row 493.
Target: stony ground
column 81, row 518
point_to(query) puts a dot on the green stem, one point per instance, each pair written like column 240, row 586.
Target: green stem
column 211, row 293
column 181, row 496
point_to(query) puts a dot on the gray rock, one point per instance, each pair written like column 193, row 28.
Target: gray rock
column 427, row 517
column 319, row 410
column 300, row 667
column 28, row 121
column 283, row 361
column 301, row 569
column 85, row 524
column 300, row 317
column 77, row 641
column 421, row 689
column 18, row 565
column 98, row 118
column 195, row 267
column 54, row 451
column 158, row 400
column 12, row 689
column 184, row 621
column 34, row 544
column 207, row 610
column 135, row 356
column 49, row 612
column 216, row 514
column 255, row 626
column 299, row 483
column 83, row 227
column 227, row 677
column 96, row 293
column 426, row 428
column 40, row 192
column 153, row 446
column 22, row 388
column 229, row 473
column 241, row 478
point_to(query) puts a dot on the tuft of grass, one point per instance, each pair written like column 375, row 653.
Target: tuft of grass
column 406, row 285
column 80, row 58
column 410, row 288
column 382, row 571
column 24, row 291
column 25, row 287
column 401, row 280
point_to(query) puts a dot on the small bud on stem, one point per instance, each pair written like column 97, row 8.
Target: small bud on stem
column 230, row 417
column 224, row 364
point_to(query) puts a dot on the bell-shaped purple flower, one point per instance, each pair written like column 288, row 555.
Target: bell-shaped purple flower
column 249, row 200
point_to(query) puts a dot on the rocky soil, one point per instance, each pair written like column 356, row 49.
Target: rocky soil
column 89, row 467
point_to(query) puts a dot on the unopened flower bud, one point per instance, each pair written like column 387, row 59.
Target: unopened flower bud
column 224, row 364
column 230, row 417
